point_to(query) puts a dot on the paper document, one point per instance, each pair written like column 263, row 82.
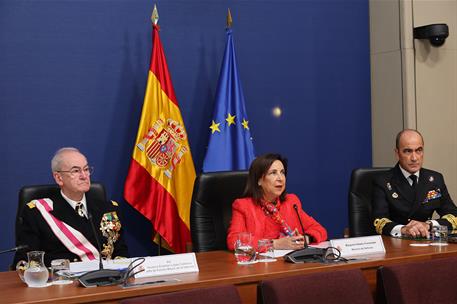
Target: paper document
column 78, row 267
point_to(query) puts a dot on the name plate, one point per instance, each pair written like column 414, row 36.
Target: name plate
column 168, row 264
column 153, row 266
column 357, row 246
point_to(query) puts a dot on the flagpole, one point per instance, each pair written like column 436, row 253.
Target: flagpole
column 155, row 15
column 229, row 19
column 155, row 20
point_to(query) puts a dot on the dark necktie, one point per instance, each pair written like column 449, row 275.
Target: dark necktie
column 414, row 179
column 79, row 209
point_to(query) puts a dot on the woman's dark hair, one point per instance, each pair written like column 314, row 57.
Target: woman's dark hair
column 259, row 167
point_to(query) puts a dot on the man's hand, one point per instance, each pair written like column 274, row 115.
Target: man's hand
column 416, row 229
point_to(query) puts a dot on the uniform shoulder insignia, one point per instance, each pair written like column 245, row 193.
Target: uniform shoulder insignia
column 114, row 203
column 31, row 204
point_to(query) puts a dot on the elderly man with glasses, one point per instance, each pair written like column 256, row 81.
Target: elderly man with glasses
column 60, row 224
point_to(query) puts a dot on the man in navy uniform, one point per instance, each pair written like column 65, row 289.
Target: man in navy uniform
column 405, row 198
column 59, row 224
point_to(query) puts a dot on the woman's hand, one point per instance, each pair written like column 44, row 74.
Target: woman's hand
column 306, row 238
column 292, row 242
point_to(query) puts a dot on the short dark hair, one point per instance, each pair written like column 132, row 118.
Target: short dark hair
column 397, row 139
column 257, row 170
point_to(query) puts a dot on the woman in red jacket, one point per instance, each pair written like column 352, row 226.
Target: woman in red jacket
column 268, row 212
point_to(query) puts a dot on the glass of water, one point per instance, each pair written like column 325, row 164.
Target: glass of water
column 59, row 271
column 265, row 251
column 244, row 250
column 438, row 235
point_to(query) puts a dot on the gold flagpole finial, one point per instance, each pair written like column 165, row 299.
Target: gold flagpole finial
column 229, row 19
column 155, row 15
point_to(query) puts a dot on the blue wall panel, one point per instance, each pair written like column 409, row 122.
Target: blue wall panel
column 73, row 73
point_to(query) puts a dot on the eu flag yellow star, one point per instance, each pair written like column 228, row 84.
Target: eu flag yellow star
column 214, row 127
column 245, row 124
column 230, row 119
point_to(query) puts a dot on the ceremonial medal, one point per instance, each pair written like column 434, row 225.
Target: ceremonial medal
column 432, row 195
column 395, row 195
column 110, row 227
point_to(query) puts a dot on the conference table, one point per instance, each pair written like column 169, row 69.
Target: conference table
column 220, row 268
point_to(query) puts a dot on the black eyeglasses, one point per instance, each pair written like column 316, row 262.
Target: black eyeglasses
column 76, row 171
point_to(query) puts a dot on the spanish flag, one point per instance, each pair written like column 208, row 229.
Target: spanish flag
column 161, row 174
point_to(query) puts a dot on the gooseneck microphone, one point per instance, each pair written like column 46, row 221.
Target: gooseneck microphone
column 301, row 224
column 100, row 261
column 100, row 277
column 17, row 248
column 306, row 254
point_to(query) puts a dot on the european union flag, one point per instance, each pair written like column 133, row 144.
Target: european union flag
column 230, row 145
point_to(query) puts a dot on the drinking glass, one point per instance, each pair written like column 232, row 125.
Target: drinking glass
column 244, row 251
column 438, row 235
column 265, row 251
column 59, row 272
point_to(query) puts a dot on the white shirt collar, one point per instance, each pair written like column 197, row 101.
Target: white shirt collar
column 406, row 174
column 73, row 203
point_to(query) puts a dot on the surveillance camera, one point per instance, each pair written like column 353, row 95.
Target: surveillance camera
column 435, row 33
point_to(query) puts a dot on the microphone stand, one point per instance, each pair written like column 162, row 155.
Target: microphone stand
column 100, row 277
column 301, row 224
column 17, row 248
column 306, row 254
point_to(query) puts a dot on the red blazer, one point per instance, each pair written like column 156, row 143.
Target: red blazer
column 247, row 216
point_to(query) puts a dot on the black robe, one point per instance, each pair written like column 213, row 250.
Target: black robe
column 36, row 233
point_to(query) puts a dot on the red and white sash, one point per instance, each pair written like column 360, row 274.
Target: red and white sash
column 70, row 237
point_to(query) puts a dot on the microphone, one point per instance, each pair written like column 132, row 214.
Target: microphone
column 306, row 254
column 94, row 231
column 100, row 277
column 17, row 248
column 301, row 224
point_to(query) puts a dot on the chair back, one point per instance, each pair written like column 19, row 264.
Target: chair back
column 339, row 287
column 211, row 208
column 221, row 295
column 360, row 197
column 29, row 193
column 430, row 281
